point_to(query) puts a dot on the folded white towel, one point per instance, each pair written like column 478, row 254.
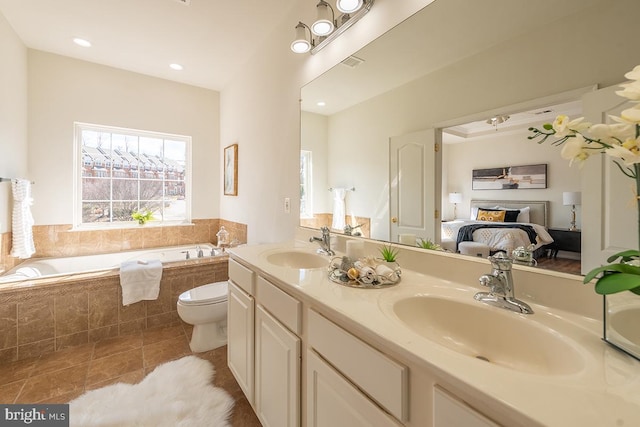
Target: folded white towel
column 22, row 220
column 140, row 280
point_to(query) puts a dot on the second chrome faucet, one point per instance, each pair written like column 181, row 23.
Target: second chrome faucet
column 500, row 283
column 324, row 241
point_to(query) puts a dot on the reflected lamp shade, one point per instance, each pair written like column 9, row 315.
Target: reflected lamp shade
column 570, row 198
column 455, row 198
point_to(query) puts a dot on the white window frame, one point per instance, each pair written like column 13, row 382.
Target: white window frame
column 77, row 171
column 307, row 204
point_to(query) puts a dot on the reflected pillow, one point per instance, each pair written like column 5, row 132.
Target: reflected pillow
column 511, row 215
column 491, row 215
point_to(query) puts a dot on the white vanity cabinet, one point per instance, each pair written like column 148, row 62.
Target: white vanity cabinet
column 347, row 369
column 449, row 411
column 264, row 324
column 240, row 326
column 277, row 356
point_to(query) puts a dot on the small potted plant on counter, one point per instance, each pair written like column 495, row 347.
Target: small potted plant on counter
column 142, row 216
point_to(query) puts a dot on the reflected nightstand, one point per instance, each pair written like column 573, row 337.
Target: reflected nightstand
column 564, row 240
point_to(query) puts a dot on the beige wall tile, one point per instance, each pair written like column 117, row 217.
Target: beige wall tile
column 8, row 325
column 71, row 314
column 103, row 307
column 35, row 349
column 35, row 320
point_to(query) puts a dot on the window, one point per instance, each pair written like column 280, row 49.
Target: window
column 306, row 186
column 121, row 171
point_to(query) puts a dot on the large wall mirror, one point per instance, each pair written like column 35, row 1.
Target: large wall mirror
column 415, row 107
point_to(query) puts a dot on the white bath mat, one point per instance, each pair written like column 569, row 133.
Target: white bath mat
column 177, row 393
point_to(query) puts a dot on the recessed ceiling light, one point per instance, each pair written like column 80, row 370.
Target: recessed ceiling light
column 321, row 103
column 82, row 42
column 176, row 67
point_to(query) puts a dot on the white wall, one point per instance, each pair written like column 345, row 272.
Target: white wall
column 13, row 117
column 508, row 149
column 63, row 90
column 260, row 111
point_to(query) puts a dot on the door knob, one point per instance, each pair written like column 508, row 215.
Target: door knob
column 394, row 219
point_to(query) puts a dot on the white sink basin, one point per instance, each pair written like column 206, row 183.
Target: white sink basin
column 298, row 259
column 490, row 334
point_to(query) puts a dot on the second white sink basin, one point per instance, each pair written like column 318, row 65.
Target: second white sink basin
column 490, row 334
column 298, row 259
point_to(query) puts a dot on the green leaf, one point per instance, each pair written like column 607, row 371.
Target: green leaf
column 635, row 290
column 613, row 269
column 631, row 253
column 547, row 126
column 613, row 283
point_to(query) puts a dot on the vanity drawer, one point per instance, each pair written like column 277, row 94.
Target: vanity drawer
column 383, row 379
column 284, row 307
column 242, row 276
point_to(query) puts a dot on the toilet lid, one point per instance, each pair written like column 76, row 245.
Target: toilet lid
column 205, row 294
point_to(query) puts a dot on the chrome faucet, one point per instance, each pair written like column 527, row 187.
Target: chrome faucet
column 500, row 284
column 187, row 256
column 200, row 252
column 324, row 241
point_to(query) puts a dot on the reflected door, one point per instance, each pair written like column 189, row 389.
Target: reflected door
column 606, row 191
column 414, row 168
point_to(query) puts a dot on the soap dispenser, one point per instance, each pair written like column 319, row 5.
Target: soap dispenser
column 223, row 237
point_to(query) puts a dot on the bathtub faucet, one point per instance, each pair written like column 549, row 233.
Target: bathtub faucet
column 187, row 256
column 200, row 253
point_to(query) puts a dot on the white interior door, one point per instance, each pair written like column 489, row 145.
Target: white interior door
column 414, row 184
column 608, row 196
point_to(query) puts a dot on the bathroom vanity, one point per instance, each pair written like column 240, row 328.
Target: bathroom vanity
column 307, row 351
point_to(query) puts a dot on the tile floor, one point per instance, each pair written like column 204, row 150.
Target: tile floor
column 62, row 376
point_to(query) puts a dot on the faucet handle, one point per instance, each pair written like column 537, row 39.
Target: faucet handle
column 501, row 262
column 325, row 230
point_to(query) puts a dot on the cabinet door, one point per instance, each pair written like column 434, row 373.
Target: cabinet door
column 332, row 401
column 448, row 411
column 240, row 335
column 277, row 397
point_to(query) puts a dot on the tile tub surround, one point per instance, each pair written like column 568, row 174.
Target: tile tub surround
column 47, row 315
column 61, row 240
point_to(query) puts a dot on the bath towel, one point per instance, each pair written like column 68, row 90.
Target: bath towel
column 140, row 280
column 338, row 222
column 22, row 220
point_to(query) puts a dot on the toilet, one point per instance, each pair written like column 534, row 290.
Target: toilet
column 205, row 307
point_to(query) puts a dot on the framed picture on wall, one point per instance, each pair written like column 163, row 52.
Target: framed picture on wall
column 231, row 170
column 510, row 177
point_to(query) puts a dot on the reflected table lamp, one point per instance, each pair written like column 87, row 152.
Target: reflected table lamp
column 572, row 198
column 455, row 198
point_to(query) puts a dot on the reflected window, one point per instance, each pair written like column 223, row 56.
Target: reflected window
column 306, row 185
column 121, row 171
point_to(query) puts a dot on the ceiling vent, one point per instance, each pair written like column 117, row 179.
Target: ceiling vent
column 352, row 61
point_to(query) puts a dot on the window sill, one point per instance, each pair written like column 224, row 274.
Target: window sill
column 86, row 227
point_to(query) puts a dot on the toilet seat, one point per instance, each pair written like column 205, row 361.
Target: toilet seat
column 206, row 294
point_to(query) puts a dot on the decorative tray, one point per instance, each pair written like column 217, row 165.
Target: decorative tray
column 367, row 273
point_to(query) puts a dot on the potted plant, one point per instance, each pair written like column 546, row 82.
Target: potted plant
column 142, row 216
column 388, row 253
column 429, row 244
column 621, row 141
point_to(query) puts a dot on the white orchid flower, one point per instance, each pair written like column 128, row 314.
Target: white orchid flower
column 629, row 157
column 612, row 133
column 631, row 115
column 634, row 74
column 575, row 149
column 630, row 91
column 563, row 126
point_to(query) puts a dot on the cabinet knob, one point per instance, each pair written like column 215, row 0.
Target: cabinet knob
column 394, row 219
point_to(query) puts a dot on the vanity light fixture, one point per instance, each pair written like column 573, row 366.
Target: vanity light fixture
column 325, row 22
column 348, row 6
column 326, row 27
